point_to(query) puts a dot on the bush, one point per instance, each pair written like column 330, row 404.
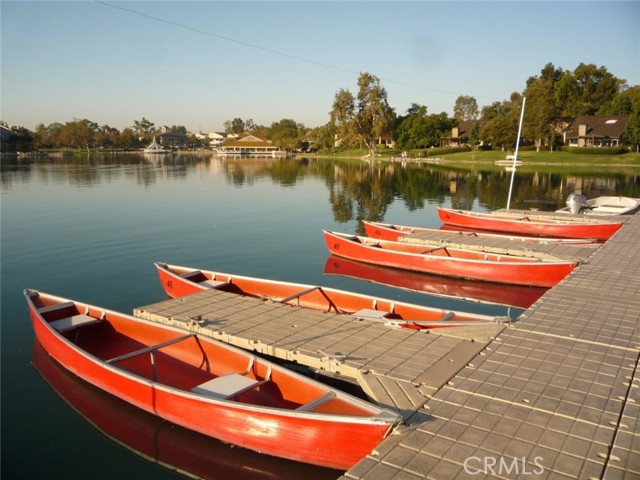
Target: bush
column 598, row 150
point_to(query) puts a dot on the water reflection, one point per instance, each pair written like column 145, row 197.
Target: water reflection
column 501, row 294
column 357, row 190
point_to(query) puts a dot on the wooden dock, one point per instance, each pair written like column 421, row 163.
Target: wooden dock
column 555, row 394
column 505, row 246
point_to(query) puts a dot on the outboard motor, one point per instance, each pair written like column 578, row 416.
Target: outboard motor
column 577, row 203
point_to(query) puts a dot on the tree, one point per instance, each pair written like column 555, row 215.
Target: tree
column 321, row 138
column 374, row 117
column 249, row 125
column 419, row 130
column 367, row 117
column 235, row 126
column 128, row 138
column 411, row 131
column 501, row 132
column 78, row 134
column 474, row 139
column 287, row 134
column 540, row 112
column 627, row 101
column 465, row 108
column 106, row 136
column 632, row 132
column 496, row 109
column 41, row 137
column 178, row 129
column 343, row 117
column 143, row 128
column 586, row 90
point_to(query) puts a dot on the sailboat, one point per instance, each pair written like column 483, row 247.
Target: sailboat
column 155, row 148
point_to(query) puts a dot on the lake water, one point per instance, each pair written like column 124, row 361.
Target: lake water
column 90, row 228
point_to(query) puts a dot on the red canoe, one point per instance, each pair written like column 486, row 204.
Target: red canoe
column 530, row 224
column 162, row 442
column 388, row 231
column 208, row 386
column 180, row 281
column 498, row 293
column 451, row 262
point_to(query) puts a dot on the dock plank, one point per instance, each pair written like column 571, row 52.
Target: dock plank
column 575, row 253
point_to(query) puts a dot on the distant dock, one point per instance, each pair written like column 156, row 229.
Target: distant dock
column 554, row 395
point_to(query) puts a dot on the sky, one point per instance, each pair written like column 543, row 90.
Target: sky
column 199, row 64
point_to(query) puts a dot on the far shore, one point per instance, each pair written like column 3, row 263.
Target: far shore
column 525, row 158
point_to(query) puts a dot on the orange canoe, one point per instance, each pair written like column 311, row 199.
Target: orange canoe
column 586, row 228
column 451, row 262
column 179, row 281
column 208, row 386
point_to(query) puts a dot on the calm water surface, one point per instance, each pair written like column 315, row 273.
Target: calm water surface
column 91, row 227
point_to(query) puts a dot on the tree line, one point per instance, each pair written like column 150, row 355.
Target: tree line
column 365, row 119
column 552, row 97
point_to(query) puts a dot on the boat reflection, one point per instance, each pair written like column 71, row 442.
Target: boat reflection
column 502, row 294
column 162, row 442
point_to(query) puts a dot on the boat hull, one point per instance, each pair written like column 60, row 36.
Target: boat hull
column 179, row 281
column 321, row 438
column 608, row 206
column 525, row 225
column 448, row 261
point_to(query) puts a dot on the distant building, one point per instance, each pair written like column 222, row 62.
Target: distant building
column 460, row 135
column 6, row 133
column 596, row 131
column 249, row 145
column 214, row 139
column 172, row 140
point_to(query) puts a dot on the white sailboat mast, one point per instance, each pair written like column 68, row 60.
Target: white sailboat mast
column 515, row 156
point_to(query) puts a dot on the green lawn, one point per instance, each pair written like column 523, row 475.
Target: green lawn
column 547, row 157
column 526, row 156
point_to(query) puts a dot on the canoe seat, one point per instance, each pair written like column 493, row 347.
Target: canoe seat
column 369, row 314
column 313, row 404
column 57, row 306
column 75, row 321
column 214, row 284
column 190, row 275
column 226, row 386
column 446, row 317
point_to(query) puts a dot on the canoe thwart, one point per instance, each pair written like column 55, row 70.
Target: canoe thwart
column 299, row 294
column 150, row 348
column 313, row 404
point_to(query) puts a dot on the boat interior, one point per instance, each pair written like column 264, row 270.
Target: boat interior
column 187, row 362
column 315, row 297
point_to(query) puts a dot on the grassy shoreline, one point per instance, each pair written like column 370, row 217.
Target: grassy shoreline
column 542, row 158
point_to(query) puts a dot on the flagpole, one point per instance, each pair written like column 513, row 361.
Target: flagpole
column 515, row 156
